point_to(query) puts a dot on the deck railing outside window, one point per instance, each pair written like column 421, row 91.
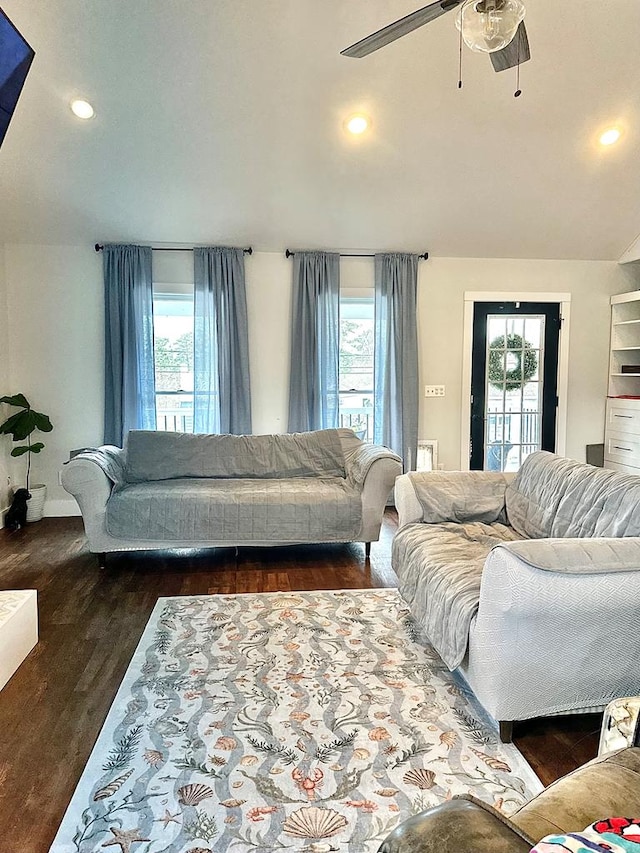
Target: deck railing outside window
column 174, row 411
column 356, row 413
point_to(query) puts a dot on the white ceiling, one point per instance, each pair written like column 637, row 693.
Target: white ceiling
column 221, row 121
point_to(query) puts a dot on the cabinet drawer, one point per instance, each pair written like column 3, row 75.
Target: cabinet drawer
column 621, row 448
column 624, row 469
column 623, row 416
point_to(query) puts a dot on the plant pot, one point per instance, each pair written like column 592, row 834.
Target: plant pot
column 35, row 504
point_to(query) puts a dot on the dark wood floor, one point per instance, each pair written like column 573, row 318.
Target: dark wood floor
column 90, row 622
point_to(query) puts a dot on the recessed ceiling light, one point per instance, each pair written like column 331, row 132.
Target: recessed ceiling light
column 82, row 109
column 357, row 124
column 610, row 136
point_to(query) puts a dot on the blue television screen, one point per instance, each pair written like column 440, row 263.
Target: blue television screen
column 15, row 60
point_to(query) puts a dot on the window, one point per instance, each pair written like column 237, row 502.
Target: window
column 356, row 365
column 173, row 350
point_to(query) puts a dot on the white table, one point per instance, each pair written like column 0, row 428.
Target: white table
column 18, row 629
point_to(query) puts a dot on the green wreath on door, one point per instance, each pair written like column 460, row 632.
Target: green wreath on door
column 500, row 349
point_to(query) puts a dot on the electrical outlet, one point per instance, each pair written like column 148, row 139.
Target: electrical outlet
column 434, row 390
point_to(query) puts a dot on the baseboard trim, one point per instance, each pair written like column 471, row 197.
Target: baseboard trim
column 61, row 509
column 52, row 509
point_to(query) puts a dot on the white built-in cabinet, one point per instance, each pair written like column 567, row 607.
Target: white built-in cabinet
column 622, row 428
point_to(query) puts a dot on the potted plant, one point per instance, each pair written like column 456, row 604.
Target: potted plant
column 21, row 426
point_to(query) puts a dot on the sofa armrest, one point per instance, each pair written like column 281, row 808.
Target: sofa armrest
column 407, row 503
column 544, row 641
column 91, row 475
column 377, row 488
column 458, row 826
column 436, row 497
column 580, row 556
column 359, row 461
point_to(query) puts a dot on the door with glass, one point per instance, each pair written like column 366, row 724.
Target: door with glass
column 514, row 382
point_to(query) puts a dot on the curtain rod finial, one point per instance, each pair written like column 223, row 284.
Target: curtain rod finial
column 98, row 247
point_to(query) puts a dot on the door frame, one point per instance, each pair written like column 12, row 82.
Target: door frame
column 470, row 299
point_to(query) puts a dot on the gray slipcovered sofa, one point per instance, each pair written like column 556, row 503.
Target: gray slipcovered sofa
column 179, row 490
column 529, row 585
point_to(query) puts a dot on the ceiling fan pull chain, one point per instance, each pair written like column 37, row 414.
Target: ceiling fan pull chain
column 460, row 62
column 518, row 90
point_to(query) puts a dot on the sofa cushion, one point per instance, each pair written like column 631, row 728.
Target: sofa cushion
column 554, row 497
column 172, row 455
column 461, row 495
column 440, row 567
column 234, row 511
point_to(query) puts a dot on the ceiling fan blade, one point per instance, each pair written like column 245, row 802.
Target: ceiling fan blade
column 399, row 28
column 517, row 51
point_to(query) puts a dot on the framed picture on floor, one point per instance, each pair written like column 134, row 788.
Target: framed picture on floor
column 427, row 456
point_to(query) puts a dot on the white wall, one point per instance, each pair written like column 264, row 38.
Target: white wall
column 54, row 297
column 442, row 283
column 268, row 277
column 54, row 304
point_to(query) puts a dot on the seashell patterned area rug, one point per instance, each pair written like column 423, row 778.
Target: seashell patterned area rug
column 312, row 721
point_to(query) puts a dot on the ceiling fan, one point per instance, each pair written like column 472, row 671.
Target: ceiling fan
column 490, row 26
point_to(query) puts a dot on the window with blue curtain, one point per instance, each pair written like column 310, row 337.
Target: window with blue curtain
column 222, row 391
column 354, row 360
column 396, row 355
column 129, row 392
column 313, row 386
column 177, row 353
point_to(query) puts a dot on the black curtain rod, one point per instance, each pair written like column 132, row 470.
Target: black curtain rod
column 98, row 247
column 423, row 257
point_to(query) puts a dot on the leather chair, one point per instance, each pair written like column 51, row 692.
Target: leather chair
column 608, row 786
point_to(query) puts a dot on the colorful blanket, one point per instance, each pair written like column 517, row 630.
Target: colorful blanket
column 612, row 835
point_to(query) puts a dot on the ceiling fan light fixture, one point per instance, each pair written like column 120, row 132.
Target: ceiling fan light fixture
column 82, row 109
column 357, row 124
column 489, row 25
column 610, row 136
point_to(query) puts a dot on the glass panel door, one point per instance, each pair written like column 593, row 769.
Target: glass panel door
column 514, row 383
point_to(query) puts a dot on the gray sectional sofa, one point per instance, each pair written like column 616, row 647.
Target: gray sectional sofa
column 529, row 585
column 179, row 490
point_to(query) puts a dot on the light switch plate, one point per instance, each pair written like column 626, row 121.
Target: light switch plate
column 434, row 390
